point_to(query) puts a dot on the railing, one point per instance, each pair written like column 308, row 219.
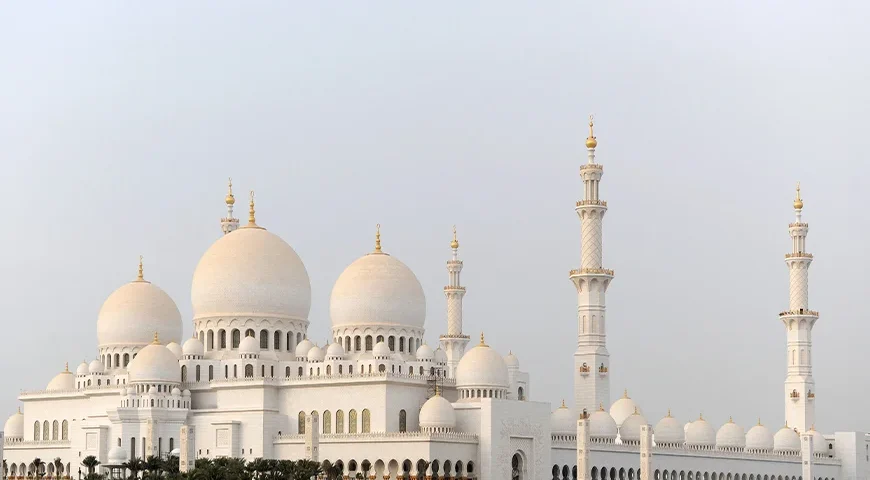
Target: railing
column 800, row 311
column 799, row 255
column 798, row 224
column 75, row 390
column 355, row 437
column 600, row 203
column 595, row 271
column 457, row 288
column 591, row 166
column 324, row 377
column 38, row 443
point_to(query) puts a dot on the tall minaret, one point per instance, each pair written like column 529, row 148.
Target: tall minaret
column 229, row 223
column 454, row 341
column 800, row 396
column 591, row 360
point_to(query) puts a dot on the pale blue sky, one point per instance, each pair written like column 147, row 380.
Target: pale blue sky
column 120, row 123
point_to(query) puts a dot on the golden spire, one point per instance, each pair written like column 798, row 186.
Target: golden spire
column 625, row 393
column 378, row 238
column 563, row 404
column 156, row 339
column 798, row 203
column 700, row 416
column 635, row 410
column 437, row 390
column 141, row 277
column 730, row 419
column 66, row 367
column 600, row 407
column 759, row 421
column 669, row 413
column 482, row 343
column 230, row 198
column 813, row 427
column 455, row 243
column 19, row 409
column 591, row 142
column 252, row 219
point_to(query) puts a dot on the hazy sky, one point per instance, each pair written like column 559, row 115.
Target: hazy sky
column 121, row 121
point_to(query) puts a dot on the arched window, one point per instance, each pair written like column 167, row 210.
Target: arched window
column 237, row 338
column 184, row 373
column 126, row 359
column 301, row 428
column 45, row 430
column 421, row 371
column 55, row 429
column 379, row 339
column 339, row 421
column 351, row 422
column 300, row 371
column 250, row 333
column 382, row 368
column 289, row 341
column 262, row 371
column 368, row 343
column 298, row 338
column 401, row 344
column 287, row 372
column 357, row 345
column 403, row 421
column 272, row 371
column 391, row 342
column 64, row 430
column 210, row 373
column 117, row 360
column 249, row 371
column 347, row 344
column 264, row 339
column 222, row 337
column 521, row 395
column 36, row 431
column 235, row 371
column 327, row 422
column 366, row 421
column 329, row 369
column 197, row 373
column 340, row 370
column 210, row 343
column 277, row 342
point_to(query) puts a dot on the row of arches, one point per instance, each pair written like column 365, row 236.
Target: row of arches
column 48, row 468
column 117, row 360
column 326, row 423
column 358, row 343
column 392, row 469
column 143, row 447
column 99, row 382
column 249, row 371
column 275, row 340
column 53, row 431
column 484, row 393
column 613, row 473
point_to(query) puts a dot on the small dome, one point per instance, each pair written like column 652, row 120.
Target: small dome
column 155, row 364
column 193, row 347
column 381, row 350
column 623, row 408
column 249, row 346
column 129, row 391
column 482, row 366
column 377, row 289
column 132, row 313
column 425, row 352
column 96, row 367
column 315, row 354
column 562, row 421
column 786, row 440
column 82, row 369
column 602, row 425
column 64, row 380
column 303, row 347
column 700, row 434
column 176, row 452
column 251, row 272
column 630, row 429
column 759, row 438
column 819, row 443
column 335, row 350
column 511, row 360
column 669, row 431
column 437, row 412
column 14, row 427
column 185, row 393
column 440, row 356
column 117, row 455
column 176, row 349
column 176, row 392
column 731, row 436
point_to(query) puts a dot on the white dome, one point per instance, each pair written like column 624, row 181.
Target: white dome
column 315, row 354
column 377, row 289
column 562, row 421
column 185, row 393
column 251, row 272
column 155, row 364
column 176, row 349
column 482, row 367
column 731, row 435
column 424, row 352
column 193, row 347
column 117, row 455
column 132, row 314
column 14, row 427
column 819, row 443
column 786, row 440
column 759, row 438
column 511, row 360
column 176, row 392
column 249, row 346
column 700, row 434
column 335, row 350
column 602, row 425
column 302, row 348
column 176, row 452
column 629, row 431
column 82, row 369
column 62, row 381
column 381, row 350
column 623, row 408
column 437, row 412
column 95, row 367
column 669, row 431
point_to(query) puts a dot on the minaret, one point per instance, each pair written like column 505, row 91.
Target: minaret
column 591, row 360
column 799, row 320
column 229, row 223
column 454, row 341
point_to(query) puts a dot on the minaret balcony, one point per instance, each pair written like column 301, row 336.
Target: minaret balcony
column 591, row 271
column 801, row 312
column 602, row 371
column 592, row 166
column 597, row 203
column 811, row 395
column 798, row 224
column 798, row 255
column 454, row 289
column 584, row 370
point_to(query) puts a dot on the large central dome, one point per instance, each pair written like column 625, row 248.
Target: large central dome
column 132, row 314
column 376, row 290
column 251, row 272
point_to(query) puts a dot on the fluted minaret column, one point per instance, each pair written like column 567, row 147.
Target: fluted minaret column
column 229, row 224
column 799, row 321
column 454, row 342
column 591, row 360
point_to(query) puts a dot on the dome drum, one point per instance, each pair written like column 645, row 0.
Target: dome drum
column 405, row 340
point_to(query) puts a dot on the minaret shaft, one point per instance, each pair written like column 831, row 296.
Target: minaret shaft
column 454, row 342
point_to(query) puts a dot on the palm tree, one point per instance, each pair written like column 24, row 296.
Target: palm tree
column 306, row 469
column 90, row 462
column 331, row 470
column 58, row 466
column 38, row 465
column 135, row 465
column 152, row 465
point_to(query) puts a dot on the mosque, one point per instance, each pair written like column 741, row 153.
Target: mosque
column 378, row 400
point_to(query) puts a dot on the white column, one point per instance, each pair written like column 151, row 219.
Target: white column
column 807, row 454
column 312, row 437
column 187, row 459
column 646, row 453
column 150, row 438
column 591, row 359
column 454, row 342
column 583, row 447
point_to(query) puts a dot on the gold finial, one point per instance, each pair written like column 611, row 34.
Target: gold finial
column 759, row 421
column 813, row 427
column 700, row 416
column 19, row 409
column 635, row 410
column 66, row 367
column 563, row 404
column 378, row 238
column 156, row 339
column 669, row 413
column 230, row 198
column 625, row 393
column 252, row 219
column 482, row 343
column 455, row 243
column 600, row 407
column 437, row 390
column 798, row 203
column 140, row 277
column 591, row 142
column 730, row 419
